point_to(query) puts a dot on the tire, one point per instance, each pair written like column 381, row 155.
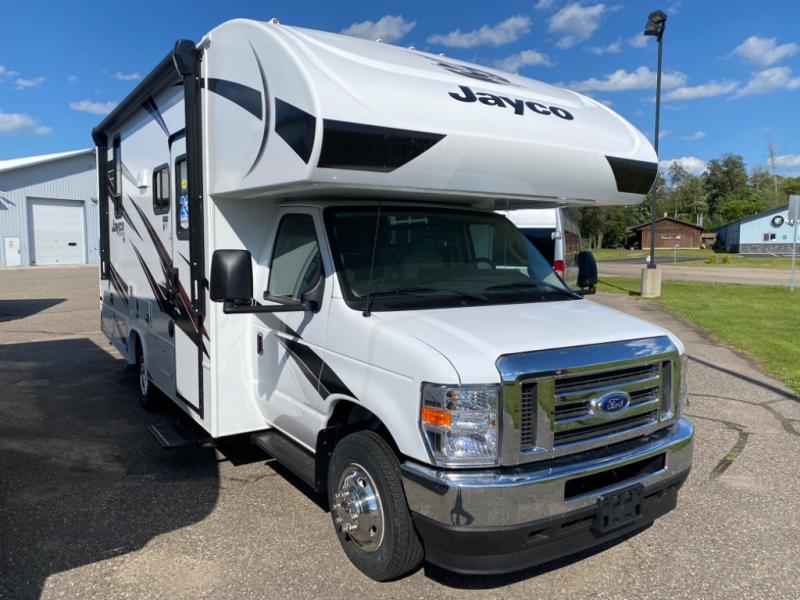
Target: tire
column 384, row 544
column 148, row 394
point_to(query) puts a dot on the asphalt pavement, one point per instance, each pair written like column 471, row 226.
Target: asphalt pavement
column 91, row 507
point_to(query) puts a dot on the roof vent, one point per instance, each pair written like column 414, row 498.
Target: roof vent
column 379, row 40
column 275, row 21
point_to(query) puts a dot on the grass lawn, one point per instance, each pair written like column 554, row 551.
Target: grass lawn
column 764, row 321
column 737, row 260
column 615, row 254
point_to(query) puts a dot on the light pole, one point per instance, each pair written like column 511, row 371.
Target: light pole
column 656, row 22
column 651, row 277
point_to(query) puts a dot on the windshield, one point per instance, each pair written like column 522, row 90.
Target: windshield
column 436, row 258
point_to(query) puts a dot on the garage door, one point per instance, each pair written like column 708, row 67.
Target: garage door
column 57, row 235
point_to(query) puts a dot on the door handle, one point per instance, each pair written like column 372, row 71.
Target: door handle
column 259, row 344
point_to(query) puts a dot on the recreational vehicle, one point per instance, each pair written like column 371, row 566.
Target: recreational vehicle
column 556, row 235
column 300, row 243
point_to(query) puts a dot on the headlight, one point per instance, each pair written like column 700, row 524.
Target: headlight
column 459, row 423
column 683, row 385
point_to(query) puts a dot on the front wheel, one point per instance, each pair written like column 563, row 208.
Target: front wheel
column 148, row 394
column 369, row 508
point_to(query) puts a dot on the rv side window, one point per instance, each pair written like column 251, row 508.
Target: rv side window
column 181, row 199
column 296, row 262
column 116, row 184
column 161, row 190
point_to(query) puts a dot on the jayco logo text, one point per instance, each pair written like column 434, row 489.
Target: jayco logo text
column 465, row 94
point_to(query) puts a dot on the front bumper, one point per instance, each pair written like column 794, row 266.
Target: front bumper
column 508, row 518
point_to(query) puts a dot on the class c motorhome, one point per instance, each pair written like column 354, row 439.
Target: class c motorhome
column 300, row 242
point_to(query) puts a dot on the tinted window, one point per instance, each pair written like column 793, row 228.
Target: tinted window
column 181, row 200
column 161, row 189
column 296, row 262
column 425, row 257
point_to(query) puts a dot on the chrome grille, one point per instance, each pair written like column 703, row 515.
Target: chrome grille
column 553, row 404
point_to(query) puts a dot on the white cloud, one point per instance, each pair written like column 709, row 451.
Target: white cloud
column 607, row 102
column 612, row 48
column 72, row 78
column 697, row 135
column 7, row 73
column 704, row 90
column 575, row 23
column 21, row 123
column 764, row 52
column 664, row 133
column 95, row 108
column 692, row 164
column 787, row 160
column 526, row 58
column 388, row 28
column 24, row 84
column 768, row 81
column 544, row 4
column 638, row 41
column 505, row 32
column 127, row 76
column 621, row 80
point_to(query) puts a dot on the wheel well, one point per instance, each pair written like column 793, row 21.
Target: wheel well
column 134, row 346
column 347, row 417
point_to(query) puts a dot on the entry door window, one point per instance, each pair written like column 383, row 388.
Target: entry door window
column 296, row 262
column 181, row 199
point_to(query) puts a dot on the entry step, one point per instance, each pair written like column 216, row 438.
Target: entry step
column 174, row 435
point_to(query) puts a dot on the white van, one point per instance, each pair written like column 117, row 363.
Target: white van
column 556, row 234
column 299, row 243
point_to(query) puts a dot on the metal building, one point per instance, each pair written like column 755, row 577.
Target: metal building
column 48, row 210
column 768, row 232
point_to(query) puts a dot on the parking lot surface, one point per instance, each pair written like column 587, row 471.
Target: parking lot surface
column 91, row 507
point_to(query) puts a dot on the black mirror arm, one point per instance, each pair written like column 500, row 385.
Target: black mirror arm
column 587, row 291
column 236, row 308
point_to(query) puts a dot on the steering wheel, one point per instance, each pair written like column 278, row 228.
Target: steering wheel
column 488, row 261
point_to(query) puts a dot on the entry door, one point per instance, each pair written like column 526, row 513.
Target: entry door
column 188, row 337
column 57, row 231
column 13, row 258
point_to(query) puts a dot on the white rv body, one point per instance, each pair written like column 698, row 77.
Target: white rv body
column 261, row 126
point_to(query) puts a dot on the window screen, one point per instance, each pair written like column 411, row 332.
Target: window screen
column 161, row 190
column 296, row 262
column 181, row 199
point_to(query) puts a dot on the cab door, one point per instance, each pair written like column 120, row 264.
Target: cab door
column 290, row 363
column 189, row 339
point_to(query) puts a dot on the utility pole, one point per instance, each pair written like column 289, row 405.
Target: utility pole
column 772, row 164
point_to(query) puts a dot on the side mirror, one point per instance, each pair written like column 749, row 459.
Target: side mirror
column 231, row 276
column 587, row 272
column 232, row 283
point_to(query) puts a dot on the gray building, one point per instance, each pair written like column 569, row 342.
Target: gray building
column 768, row 232
column 48, row 210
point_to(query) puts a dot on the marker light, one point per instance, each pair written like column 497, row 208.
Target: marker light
column 459, row 423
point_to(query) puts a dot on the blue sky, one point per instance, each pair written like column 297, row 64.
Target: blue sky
column 732, row 74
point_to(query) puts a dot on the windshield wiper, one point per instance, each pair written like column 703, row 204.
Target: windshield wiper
column 426, row 290
column 534, row 284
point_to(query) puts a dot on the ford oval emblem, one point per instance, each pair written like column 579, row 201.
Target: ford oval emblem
column 611, row 403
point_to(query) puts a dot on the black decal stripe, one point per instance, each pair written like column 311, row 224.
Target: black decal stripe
column 117, row 283
column 127, row 217
column 178, row 135
column 300, row 359
column 633, row 176
column 242, row 95
column 158, row 292
column 296, row 127
column 186, row 260
column 360, row 147
column 331, row 382
column 265, row 131
column 163, row 254
column 150, row 106
column 275, row 323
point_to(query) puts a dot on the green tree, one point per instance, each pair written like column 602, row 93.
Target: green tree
column 724, row 176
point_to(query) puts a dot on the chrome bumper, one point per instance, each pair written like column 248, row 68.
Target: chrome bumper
column 517, row 495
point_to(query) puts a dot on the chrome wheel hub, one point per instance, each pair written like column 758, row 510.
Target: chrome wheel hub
column 357, row 510
column 143, row 383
